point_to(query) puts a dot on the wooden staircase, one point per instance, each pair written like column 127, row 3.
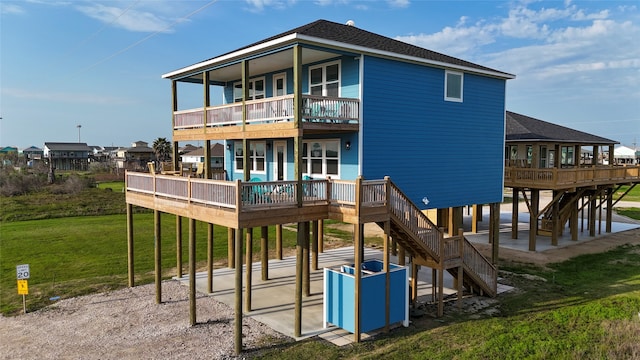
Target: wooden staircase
column 412, row 230
column 567, row 201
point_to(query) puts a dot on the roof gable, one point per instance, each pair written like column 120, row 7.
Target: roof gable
column 524, row 128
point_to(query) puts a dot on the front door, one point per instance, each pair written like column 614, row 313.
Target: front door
column 280, row 160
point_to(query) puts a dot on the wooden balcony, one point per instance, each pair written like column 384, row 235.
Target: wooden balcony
column 252, row 204
column 270, row 117
column 558, row 179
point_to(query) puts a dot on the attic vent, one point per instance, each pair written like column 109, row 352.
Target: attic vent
column 351, row 23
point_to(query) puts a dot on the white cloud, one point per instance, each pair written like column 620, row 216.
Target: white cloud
column 132, row 19
column 6, row 8
column 399, row 3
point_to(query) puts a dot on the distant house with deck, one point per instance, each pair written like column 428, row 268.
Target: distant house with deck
column 540, row 155
column 67, row 156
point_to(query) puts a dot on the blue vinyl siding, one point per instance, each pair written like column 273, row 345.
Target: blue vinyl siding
column 448, row 152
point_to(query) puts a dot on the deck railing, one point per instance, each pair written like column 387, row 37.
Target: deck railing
column 256, row 195
column 579, row 176
column 415, row 220
column 271, row 110
column 224, row 193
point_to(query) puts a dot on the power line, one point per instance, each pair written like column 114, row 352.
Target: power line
column 146, row 38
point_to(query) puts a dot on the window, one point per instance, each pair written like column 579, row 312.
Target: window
column 257, row 156
column 321, row 157
column 324, row 80
column 567, row 156
column 453, row 86
column 256, row 90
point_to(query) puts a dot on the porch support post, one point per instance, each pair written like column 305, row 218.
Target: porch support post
column 573, row 222
column 178, row 246
column 264, row 252
column 298, row 301
column 174, row 102
column 207, row 160
column 533, row 218
column 158, row 254
column 556, row 223
column 474, row 218
column 321, row 236
column 358, row 279
column 314, row 245
column 249, row 264
column 460, row 279
column 306, row 286
column 592, row 213
column 238, row 297
column 130, row 258
column 231, row 236
column 440, row 292
column 210, row 232
column 279, row 241
column 192, row 272
column 401, row 255
column 515, row 200
column 387, row 276
column 609, row 209
column 494, row 214
column 596, row 155
column 297, row 119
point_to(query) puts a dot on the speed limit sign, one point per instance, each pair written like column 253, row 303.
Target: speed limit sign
column 22, row 271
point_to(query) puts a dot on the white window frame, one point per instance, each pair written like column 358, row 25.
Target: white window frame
column 324, row 82
column 252, row 93
column 307, row 157
column 282, row 76
column 446, row 86
column 253, row 159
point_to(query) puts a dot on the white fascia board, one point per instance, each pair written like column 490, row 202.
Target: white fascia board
column 230, row 56
column 404, row 57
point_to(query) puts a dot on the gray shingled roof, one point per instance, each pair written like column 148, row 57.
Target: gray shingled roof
column 332, row 31
column 217, row 150
column 524, row 128
column 60, row 146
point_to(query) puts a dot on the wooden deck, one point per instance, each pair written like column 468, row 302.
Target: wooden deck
column 241, row 205
column 560, row 179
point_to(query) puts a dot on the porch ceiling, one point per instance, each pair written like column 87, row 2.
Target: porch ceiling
column 275, row 61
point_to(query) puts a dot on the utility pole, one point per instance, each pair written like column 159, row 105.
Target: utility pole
column 78, row 126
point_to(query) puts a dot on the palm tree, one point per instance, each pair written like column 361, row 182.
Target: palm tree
column 162, row 148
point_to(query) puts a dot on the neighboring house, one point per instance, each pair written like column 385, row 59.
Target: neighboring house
column 67, row 156
column 135, row 157
column 33, row 153
column 197, row 156
column 572, row 164
column 9, row 150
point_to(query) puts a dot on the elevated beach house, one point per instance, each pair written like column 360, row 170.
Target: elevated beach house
column 542, row 156
column 330, row 121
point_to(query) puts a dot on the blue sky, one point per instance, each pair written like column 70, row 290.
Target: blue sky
column 98, row 64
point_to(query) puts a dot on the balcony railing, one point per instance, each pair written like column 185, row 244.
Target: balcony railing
column 271, row 110
column 230, row 194
column 570, row 177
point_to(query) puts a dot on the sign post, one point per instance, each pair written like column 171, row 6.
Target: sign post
column 23, row 273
